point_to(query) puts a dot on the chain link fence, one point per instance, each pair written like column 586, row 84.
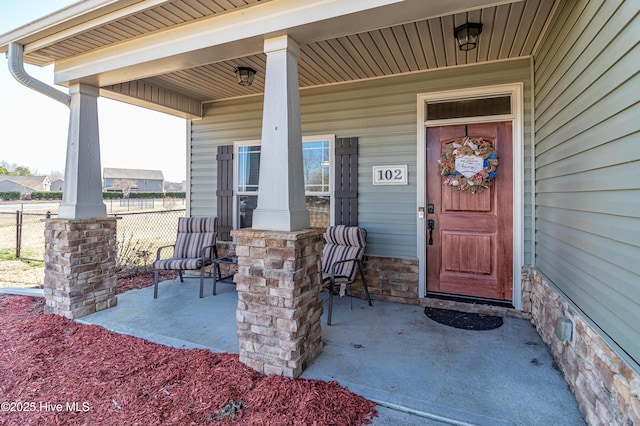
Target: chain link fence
column 139, row 233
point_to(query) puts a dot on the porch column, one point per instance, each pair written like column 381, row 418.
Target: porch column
column 80, row 245
column 82, row 195
column 281, row 201
column 279, row 303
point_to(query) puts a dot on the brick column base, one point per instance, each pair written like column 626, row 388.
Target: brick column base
column 80, row 266
column 279, row 304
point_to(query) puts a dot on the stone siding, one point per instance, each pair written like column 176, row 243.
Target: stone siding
column 390, row 279
column 80, row 266
column 605, row 386
column 279, row 302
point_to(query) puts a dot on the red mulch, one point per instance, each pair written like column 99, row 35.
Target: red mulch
column 130, row 281
column 116, row 379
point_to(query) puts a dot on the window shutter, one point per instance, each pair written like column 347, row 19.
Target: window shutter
column 346, row 181
column 224, row 192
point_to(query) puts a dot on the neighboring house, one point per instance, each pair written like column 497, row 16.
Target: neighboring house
column 132, row 180
column 57, row 185
column 24, row 184
column 380, row 89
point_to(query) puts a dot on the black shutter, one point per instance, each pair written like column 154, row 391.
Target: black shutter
column 346, row 181
column 224, row 192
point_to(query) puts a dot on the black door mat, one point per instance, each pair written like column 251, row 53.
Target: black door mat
column 464, row 320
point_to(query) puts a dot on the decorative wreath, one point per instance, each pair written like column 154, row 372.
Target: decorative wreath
column 468, row 164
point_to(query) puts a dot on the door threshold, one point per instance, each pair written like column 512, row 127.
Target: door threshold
column 469, row 299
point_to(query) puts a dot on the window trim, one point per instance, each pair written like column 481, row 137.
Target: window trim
column 331, row 138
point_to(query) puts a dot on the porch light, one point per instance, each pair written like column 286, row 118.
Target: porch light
column 245, row 75
column 467, row 35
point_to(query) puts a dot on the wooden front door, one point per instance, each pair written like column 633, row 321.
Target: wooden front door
column 470, row 250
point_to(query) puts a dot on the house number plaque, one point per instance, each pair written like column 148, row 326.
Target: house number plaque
column 390, row 175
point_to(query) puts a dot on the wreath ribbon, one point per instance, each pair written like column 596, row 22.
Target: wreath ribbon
column 472, row 148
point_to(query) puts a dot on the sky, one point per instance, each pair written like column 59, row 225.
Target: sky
column 33, row 127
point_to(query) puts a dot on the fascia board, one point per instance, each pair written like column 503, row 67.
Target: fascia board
column 244, row 27
column 66, row 22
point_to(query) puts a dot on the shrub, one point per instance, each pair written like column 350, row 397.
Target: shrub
column 9, row 195
column 111, row 195
column 181, row 194
column 134, row 256
column 46, row 195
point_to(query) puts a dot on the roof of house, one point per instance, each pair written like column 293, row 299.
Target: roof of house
column 28, row 181
column 116, row 173
column 34, row 183
column 15, row 178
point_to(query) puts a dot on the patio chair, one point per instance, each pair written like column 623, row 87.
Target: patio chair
column 342, row 260
column 194, row 249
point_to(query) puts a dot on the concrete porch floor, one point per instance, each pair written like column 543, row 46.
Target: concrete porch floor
column 418, row 371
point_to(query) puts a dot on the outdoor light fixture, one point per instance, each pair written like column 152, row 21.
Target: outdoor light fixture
column 467, row 35
column 245, row 75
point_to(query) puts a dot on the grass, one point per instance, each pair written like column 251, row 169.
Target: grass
column 140, row 233
column 20, row 273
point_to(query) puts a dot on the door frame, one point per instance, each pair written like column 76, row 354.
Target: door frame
column 515, row 91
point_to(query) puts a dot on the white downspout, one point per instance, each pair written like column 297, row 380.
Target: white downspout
column 16, row 67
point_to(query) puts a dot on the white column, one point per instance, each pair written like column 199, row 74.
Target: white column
column 82, row 195
column 281, row 202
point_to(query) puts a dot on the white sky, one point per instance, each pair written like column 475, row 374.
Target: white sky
column 33, row 127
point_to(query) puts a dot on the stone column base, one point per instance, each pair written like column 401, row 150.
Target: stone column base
column 279, row 304
column 80, row 266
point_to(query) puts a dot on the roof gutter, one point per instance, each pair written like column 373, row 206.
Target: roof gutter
column 16, row 67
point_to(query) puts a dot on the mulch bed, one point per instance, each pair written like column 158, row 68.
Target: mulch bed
column 55, row 371
column 130, row 281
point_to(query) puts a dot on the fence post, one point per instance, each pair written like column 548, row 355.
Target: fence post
column 18, row 232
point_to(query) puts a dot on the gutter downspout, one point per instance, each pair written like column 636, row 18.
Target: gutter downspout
column 16, row 67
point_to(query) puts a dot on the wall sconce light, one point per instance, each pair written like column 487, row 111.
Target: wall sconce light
column 467, row 35
column 245, row 75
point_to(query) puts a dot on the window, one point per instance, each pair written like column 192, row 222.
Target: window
column 481, row 107
column 317, row 157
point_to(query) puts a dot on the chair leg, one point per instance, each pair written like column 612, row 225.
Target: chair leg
column 156, row 275
column 180, row 273
column 202, row 282
column 364, row 283
column 330, row 302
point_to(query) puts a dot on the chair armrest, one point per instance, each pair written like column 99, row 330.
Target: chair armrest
column 333, row 266
column 161, row 248
column 204, row 250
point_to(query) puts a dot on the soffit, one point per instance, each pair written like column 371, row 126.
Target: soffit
column 510, row 30
column 131, row 22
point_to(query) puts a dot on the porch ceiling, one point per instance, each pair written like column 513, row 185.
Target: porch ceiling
column 509, row 31
column 412, row 37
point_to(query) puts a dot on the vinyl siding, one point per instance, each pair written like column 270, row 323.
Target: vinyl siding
column 382, row 114
column 587, row 158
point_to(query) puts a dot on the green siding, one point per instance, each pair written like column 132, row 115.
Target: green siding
column 587, row 157
column 382, row 113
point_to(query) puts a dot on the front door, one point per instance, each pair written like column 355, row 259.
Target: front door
column 470, row 249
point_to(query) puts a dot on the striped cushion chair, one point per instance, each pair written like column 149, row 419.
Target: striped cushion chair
column 342, row 260
column 194, row 249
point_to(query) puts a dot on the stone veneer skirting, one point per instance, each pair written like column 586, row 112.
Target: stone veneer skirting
column 279, row 303
column 80, row 266
column 605, row 386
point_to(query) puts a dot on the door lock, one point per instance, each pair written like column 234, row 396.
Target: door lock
column 430, row 209
column 431, row 224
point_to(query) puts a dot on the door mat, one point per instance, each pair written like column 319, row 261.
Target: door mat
column 464, row 320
